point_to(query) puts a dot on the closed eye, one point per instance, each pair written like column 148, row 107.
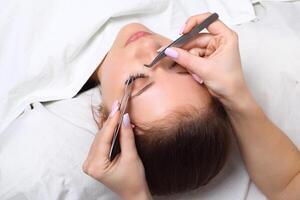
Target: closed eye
column 184, row 72
column 181, row 70
column 173, row 64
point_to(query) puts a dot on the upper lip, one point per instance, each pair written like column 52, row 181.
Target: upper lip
column 135, row 36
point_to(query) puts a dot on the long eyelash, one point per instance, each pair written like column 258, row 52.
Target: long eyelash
column 138, row 75
column 134, row 77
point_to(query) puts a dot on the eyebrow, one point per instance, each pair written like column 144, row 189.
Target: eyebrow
column 143, row 89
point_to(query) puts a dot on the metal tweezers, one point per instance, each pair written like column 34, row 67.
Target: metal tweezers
column 115, row 146
column 185, row 38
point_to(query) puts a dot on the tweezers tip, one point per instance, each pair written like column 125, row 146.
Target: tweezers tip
column 129, row 80
column 147, row 65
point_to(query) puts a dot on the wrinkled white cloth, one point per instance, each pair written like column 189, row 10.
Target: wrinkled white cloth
column 270, row 57
column 50, row 48
column 41, row 157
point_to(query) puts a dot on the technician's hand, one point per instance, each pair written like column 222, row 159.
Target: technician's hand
column 218, row 61
column 125, row 174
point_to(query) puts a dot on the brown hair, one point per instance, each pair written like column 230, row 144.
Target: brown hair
column 185, row 150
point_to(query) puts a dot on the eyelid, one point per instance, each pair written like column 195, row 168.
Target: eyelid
column 174, row 64
column 185, row 72
column 138, row 86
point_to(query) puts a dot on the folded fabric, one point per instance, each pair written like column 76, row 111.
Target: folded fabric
column 41, row 158
column 50, row 48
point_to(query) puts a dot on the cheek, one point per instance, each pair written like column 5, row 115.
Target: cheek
column 111, row 81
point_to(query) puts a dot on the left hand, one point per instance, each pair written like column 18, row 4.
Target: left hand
column 125, row 174
column 218, row 62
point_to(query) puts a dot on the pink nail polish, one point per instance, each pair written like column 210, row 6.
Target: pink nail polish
column 182, row 29
column 114, row 108
column 171, row 52
column 126, row 120
column 197, row 78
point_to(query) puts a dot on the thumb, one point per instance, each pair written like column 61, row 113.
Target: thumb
column 195, row 64
column 127, row 142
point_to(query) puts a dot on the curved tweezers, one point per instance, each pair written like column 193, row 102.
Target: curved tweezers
column 185, row 38
column 115, row 146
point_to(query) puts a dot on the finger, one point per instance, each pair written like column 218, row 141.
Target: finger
column 114, row 108
column 201, row 41
column 209, row 51
column 111, row 123
column 127, row 141
column 197, row 78
column 103, row 139
column 215, row 28
column 197, row 52
column 197, row 65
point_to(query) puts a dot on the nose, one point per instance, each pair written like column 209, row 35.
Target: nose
column 146, row 49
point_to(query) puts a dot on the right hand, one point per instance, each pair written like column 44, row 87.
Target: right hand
column 220, row 65
column 125, row 174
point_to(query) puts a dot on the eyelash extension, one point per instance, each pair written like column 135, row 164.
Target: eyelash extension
column 134, row 77
column 138, row 75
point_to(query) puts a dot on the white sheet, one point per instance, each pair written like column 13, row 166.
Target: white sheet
column 44, row 162
column 50, row 48
column 270, row 57
column 270, row 54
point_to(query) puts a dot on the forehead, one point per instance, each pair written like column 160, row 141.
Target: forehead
column 169, row 94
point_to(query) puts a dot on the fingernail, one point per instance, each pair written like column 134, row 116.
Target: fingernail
column 171, row 52
column 126, row 120
column 114, row 108
column 182, row 29
column 197, row 78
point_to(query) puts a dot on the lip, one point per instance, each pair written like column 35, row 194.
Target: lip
column 137, row 35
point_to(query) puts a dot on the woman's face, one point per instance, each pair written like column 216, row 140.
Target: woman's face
column 166, row 88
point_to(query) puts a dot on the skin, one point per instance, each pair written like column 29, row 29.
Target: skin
column 271, row 158
column 173, row 88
